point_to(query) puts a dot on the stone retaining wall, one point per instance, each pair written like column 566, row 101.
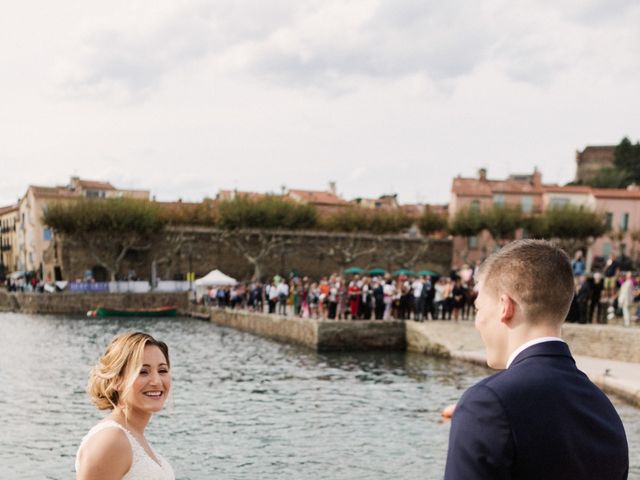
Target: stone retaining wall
column 302, row 331
column 321, row 335
column 612, row 342
column 445, row 339
column 6, row 302
column 79, row 303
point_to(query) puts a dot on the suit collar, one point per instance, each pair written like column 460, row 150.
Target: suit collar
column 553, row 348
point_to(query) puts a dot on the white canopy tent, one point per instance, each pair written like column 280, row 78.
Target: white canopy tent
column 215, row 278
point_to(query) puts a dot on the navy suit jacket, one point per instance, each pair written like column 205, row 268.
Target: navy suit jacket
column 540, row 419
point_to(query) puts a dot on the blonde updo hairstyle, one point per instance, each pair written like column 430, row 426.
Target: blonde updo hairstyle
column 111, row 380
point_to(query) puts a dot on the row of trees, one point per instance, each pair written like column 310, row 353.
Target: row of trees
column 111, row 229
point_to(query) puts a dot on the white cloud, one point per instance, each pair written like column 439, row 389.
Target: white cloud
column 184, row 98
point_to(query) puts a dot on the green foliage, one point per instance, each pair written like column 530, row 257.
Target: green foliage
column 113, row 216
column 204, row 213
column 569, row 222
column 269, row 212
column 431, row 222
column 502, row 221
column 467, row 222
column 627, row 160
column 609, row 177
column 355, row 219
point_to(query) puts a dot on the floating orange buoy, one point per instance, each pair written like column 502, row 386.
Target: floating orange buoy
column 447, row 412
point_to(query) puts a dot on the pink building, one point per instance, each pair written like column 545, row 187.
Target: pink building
column 621, row 207
column 479, row 193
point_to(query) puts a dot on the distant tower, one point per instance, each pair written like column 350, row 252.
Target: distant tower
column 592, row 159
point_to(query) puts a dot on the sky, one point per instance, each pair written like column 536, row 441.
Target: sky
column 187, row 97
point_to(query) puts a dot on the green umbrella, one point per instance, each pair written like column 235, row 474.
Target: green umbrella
column 403, row 271
column 353, row 270
column 428, row 273
column 377, row 271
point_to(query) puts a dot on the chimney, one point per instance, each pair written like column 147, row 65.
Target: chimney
column 482, row 174
column 332, row 187
column 73, row 185
column 536, row 178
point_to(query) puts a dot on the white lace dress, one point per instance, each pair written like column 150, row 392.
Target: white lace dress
column 143, row 467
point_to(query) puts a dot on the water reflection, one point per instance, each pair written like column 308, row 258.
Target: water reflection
column 242, row 407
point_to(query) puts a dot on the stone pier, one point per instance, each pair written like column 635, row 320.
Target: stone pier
column 320, row 335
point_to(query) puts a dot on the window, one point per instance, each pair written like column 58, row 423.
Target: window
column 558, row 202
column 606, row 249
column 473, row 242
column 526, row 202
column 475, row 205
column 624, row 222
column 623, row 249
column 609, row 217
column 498, row 199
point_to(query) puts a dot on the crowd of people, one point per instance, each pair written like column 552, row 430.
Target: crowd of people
column 356, row 297
column 599, row 296
column 602, row 295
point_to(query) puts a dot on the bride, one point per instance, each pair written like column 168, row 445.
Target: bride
column 132, row 380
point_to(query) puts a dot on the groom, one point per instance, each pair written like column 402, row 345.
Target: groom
column 540, row 418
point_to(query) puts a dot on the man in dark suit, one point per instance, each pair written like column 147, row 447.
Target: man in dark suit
column 540, row 418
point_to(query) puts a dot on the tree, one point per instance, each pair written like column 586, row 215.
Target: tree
column 502, row 221
column 347, row 249
column 257, row 229
column 573, row 226
column 431, row 222
column 467, row 222
column 269, row 212
column 357, row 219
column 609, row 177
column 627, row 160
column 108, row 228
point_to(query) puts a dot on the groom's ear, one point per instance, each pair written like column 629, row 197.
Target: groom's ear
column 507, row 309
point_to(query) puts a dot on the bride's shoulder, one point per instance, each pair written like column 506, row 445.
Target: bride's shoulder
column 105, row 449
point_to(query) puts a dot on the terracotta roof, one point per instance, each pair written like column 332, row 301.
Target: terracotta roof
column 230, row 194
column 316, row 197
column 8, row 209
column 474, row 187
column 52, row 191
column 95, row 185
column 615, row 193
column 567, row 189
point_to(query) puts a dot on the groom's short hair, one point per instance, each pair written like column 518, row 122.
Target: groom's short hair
column 536, row 274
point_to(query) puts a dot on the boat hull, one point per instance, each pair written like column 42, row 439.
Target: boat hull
column 146, row 312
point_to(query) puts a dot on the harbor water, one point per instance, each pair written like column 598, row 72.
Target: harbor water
column 242, row 407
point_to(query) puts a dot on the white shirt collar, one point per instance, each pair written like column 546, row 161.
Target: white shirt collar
column 528, row 344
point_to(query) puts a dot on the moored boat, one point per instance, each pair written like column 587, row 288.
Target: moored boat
column 169, row 311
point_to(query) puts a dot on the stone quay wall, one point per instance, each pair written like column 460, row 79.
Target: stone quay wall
column 321, row 335
column 311, row 253
column 79, row 303
column 449, row 339
column 613, row 342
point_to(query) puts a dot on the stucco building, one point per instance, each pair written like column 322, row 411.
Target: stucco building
column 8, row 246
column 35, row 241
column 621, row 208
